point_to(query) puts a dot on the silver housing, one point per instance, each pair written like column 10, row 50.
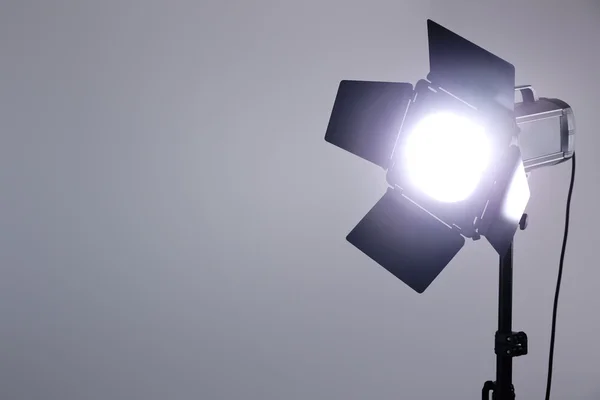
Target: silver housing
column 547, row 129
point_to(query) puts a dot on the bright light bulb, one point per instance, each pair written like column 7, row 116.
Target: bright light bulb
column 446, row 155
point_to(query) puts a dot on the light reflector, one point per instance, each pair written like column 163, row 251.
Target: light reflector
column 407, row 241
column 366, row 118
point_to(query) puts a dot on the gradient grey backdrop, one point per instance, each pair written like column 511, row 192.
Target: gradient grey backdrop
column 172, row 221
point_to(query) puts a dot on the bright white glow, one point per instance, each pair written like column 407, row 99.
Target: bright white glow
column 517, row 197
column 446, row 155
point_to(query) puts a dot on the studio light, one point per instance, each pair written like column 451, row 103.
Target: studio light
column 457, row 150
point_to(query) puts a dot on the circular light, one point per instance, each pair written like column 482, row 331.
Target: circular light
column 446, row 155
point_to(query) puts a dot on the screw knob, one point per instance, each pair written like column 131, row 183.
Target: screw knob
column 524, row 222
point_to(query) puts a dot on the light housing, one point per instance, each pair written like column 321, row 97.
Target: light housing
column 415, row 229
column 547, row 129
column 500, row 130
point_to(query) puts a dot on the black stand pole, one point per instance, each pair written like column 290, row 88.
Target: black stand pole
column 504, row 388
column 509, row 344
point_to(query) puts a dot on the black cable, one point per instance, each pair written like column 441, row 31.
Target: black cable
column 558, row 280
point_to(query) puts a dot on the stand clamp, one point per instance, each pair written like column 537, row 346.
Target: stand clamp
column 490, row 387
column 512, row 344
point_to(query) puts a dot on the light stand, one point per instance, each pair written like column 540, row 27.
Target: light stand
column 508, row 344
column 374, row 120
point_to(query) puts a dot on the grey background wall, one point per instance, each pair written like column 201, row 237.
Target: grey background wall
column 172, row 223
